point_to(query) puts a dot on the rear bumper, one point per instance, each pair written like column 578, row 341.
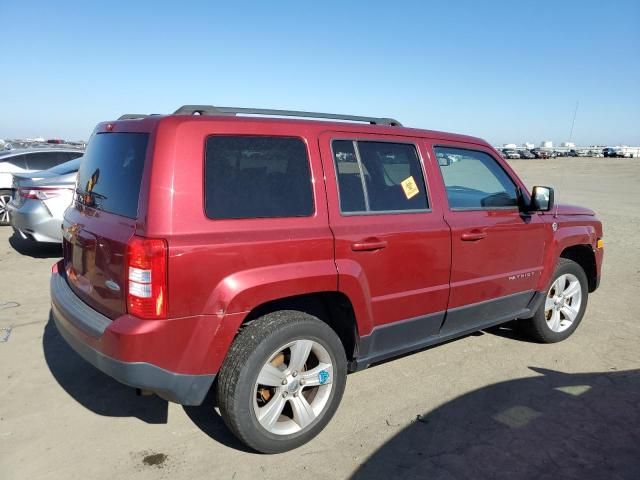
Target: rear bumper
column 33, row 220
column 91, row 335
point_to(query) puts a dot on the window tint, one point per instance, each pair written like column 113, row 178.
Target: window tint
column 349, row 180
column 393, row 179
column 43, row 160
column 66, row 167
column 66, row 156
column 111, row 172
column 257, row 177
column 475, row 180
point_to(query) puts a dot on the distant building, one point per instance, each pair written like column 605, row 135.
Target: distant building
column 509, row 145
column 546, row 144
column 528, row 145
column 568, row 144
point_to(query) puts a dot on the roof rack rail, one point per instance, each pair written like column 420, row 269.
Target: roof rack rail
column 132, row 116
column 211, row 110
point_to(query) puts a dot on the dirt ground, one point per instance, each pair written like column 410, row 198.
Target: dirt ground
column 490, row 405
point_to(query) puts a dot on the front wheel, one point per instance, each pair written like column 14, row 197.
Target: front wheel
column 564, row 305
column 281, row 381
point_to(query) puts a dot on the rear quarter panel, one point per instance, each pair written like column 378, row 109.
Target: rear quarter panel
column 223, row 267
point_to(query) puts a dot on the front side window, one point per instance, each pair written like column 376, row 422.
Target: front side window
column 257, row 177
column 378, row 177
column 474, row 180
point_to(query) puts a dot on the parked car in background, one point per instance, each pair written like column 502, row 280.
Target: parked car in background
column 267, row 258
column 526, row 154
column 39, row 201
column 24, row 161
column 539, row 153
column 511, row 154
column 622, row 152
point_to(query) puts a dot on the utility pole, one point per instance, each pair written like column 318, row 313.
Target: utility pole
column 573, row 122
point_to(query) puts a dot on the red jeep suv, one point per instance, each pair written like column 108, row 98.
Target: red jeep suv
column 268, row 257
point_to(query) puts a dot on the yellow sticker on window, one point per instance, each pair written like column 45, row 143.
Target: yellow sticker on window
column 410, row 188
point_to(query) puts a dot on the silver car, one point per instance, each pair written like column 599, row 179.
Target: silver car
column 40, row 199
column 28, row 160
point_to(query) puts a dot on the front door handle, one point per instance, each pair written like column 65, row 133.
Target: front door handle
column 473, row 236
column 368, row 244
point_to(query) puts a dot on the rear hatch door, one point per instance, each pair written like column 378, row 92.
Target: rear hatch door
column 103, row 218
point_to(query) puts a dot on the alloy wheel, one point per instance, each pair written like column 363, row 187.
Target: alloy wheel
column 293, row 387
column 563, row 302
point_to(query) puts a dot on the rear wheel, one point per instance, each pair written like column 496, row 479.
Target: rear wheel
column 281, row 381
column 564, row 305
column 5, row 197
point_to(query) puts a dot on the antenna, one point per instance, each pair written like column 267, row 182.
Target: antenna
column 573, row 122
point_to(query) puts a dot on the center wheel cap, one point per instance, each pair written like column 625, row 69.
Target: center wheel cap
column 293, row 386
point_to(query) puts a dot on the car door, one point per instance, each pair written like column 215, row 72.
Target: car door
column 392, row 245
column 496, row 249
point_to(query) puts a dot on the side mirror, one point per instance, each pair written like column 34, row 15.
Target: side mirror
column 541, row 199
column 443, row 160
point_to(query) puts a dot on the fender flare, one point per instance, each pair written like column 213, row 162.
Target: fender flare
column 243, row 291
column 565, row 237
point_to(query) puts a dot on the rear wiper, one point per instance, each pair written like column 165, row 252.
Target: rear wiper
column 87, row 192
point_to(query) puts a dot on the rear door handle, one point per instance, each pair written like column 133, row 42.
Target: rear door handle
column 473, row 236
column 368, row 244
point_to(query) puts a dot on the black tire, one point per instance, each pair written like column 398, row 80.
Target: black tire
column 537, row 327
column 5, row 196
column 250, row 351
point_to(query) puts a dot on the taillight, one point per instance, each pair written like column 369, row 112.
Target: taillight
column 147, row 277
column 40, row 193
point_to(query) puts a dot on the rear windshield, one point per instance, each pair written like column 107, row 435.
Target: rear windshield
column 111, row 172
column 66, row 167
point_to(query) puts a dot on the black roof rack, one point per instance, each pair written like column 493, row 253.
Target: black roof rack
column 211, row 110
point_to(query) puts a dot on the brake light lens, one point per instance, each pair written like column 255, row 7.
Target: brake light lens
column 41, row 193
column 147, row 277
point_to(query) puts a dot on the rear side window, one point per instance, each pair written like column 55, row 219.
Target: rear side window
column 379, row 177
column 257, row 177
column 111, row 172
column 474, row 180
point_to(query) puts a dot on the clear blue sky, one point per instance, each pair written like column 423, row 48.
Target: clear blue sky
column 503, row 70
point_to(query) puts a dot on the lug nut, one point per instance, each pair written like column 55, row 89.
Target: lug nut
column 295, row 394
column 284, row 382
column 302, row 381
column 294, row 374
column 284, row 394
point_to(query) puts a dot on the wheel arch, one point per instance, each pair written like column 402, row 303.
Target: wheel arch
column 332, row 307
column 584, row 256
